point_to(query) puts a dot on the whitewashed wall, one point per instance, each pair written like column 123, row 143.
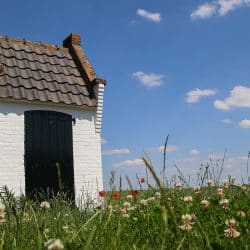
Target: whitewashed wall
column 86, row 147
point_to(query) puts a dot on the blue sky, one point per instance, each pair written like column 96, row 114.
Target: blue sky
column 173, row 67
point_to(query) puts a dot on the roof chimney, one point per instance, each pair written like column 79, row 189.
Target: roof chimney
column 72, row 39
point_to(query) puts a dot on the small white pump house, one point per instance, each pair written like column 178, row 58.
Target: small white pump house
column 50, row 118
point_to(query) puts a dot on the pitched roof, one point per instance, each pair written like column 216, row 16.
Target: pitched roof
column 47, row 73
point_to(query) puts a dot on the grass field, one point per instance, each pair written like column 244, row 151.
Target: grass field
column 208, row 216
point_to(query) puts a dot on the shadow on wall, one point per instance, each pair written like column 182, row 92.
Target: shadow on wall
column 18, row 108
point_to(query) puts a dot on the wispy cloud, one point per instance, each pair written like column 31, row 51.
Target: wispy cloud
column 244, row 123
column 226, row 6
column 217, row 7
column 227, row 121
column 151, row 16
column 121, row 151
column 195, row 95
column 239, row 97
column 103, row 141
column 169, row 148
column 203, row 11
column 129, row 163
column 194, row 152
column 150, row 80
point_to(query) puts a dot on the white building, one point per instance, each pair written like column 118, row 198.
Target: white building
column 50, row 118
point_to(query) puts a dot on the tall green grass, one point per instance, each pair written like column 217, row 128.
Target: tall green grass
column 161, row 217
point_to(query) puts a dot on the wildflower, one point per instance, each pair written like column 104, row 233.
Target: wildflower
column 135, row 219
column 225, row 184
column 188, row 199
column 142, row 180
column 130, row 197
column 134, row 193
column 46, row 232
column 220, row 191
column 210, row 183
column 123, row 210
column 102, row 193
column 205, row 203
column 150, row 199
column 125, row 216
column 110, row 207
column 241, row 213
column 66, row 228
column 126, row 204
column 45, row 205
column 144, row 202
column 26, row 217
column 132, row 208
column 187, row 222
column 231, row 232
column 116, row 195
column 193, row 216
column 231, row 223
column 178, row 186
column 224, row 203
column 232, row 179
column 66, row 215
column 244, row 188
column 197, row 189
column 157, row 195
column 53, row 244
column 2, row 212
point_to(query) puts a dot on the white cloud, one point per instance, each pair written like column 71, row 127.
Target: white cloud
column 244, row 123
column 239, row 97
column 233, row 165
column 221, row 105
column 152, row 16
column 169, row 149
column 225, row 6
column 215, row 156
column 103, row 141
column 227, row 121
column 203, row 11
column 194, row 152
column 129, row 163
column 121, row 151
column 219, row 7
column 150, row 80
column 194, row 96
column 236, row 164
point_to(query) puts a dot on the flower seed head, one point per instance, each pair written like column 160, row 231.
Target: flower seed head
column 157, row 195
column 205, row 203
column 54, row 244
column 210, row 183
column 126, row 204
column 197, row 189
column 45, row 205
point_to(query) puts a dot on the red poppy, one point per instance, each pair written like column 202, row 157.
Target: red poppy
column 102, row 193
column 142, row 180
column 134, row 192
column 116, row 195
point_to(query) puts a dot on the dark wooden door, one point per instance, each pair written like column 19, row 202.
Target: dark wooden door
column 48, row 153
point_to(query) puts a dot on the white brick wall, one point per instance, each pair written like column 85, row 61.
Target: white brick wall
column 86, row 146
